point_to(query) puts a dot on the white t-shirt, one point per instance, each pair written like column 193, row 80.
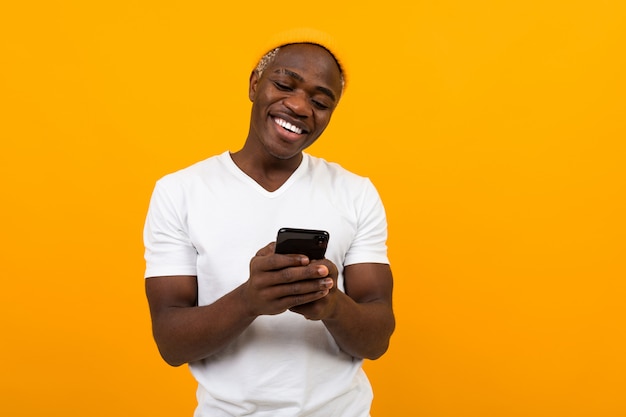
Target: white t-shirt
column 209, row 220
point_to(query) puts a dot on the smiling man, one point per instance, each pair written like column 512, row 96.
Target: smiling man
column 267, row 334
column 293, row 100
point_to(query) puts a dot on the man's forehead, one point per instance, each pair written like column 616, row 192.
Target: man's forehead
column 304, row 48
column 321, row 58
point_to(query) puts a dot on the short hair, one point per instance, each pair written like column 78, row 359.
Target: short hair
column 269, row 57
column 266, row 60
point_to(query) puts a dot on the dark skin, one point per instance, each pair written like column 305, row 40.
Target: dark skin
column 299, row 89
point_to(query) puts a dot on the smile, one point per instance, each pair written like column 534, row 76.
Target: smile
column 288, row 126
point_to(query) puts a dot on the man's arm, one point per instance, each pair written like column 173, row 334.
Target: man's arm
column 361, row 320
column 185, row 332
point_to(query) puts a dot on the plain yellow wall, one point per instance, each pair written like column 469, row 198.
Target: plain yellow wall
column 494, row 130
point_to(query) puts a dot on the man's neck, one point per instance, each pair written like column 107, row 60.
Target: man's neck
column 270, row 173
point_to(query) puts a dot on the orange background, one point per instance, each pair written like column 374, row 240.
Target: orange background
column 495, row 132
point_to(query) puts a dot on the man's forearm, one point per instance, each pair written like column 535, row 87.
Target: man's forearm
column 362, row 330
column 188, row 334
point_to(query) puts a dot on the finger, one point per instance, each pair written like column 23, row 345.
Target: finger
column 267, row 249
column 331, row 268
column 300, row 272
column 297, row 292
column 267, row 260
column 293, row 302
column 322, row 270
column 313, row 310
column 309, row 286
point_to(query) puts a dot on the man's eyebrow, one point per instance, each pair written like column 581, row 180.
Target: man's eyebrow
column 290, row 73
column 296, row 76
column 327, row 91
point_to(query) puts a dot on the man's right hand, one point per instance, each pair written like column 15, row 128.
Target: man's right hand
column 278, row 282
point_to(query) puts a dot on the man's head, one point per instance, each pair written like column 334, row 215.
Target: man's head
column 294, row 89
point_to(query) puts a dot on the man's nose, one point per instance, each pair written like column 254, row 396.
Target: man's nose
column 299, row 104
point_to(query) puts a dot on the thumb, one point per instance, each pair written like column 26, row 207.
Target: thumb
column 267, row 249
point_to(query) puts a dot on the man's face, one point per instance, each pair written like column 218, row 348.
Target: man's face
column 294, row 99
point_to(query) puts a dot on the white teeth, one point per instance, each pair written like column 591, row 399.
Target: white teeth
column 288, row 126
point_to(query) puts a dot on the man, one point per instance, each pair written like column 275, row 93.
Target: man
column 268, row 334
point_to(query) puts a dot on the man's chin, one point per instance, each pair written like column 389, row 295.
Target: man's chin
column 284, row 156
column 285, row 153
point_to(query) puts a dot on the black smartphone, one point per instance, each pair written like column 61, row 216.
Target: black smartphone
column 309, row 242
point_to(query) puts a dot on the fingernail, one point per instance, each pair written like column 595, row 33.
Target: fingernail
column 327, row 282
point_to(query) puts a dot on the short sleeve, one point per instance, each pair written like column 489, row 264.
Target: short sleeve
column 370, row 242
column 168, row 248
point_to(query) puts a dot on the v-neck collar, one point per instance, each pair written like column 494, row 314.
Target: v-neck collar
column 227, row 160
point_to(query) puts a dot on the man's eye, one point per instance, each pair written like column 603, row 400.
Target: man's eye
column 320, row 105
column 282, row 87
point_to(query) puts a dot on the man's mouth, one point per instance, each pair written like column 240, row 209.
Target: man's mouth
column 288, row 126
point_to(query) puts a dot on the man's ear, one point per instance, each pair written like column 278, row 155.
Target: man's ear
column 254, row 81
